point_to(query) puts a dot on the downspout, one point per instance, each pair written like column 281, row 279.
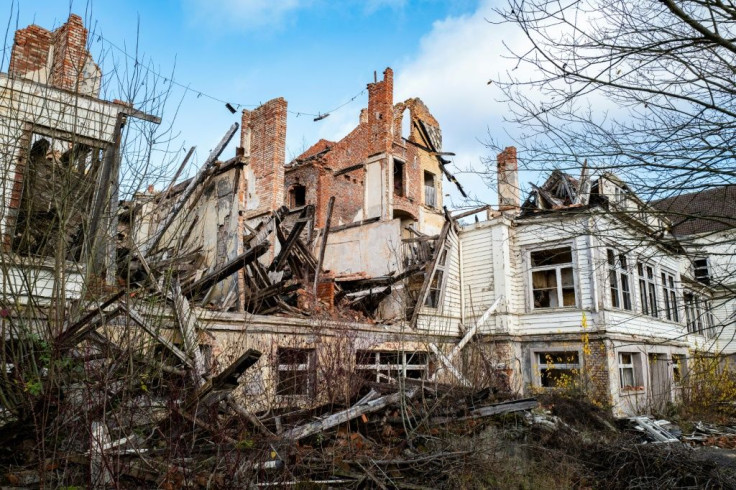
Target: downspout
column 461, row 275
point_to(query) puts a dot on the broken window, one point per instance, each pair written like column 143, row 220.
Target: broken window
column 647, row 289
column 698, row 314
column 434, row 294
column 553, row 284
column 618, row 277
column 558, row 369
column 57, row 187
column 399, row 178
column 297, row 196
column 430, row 191
column 296, row 371
column 670, row 298
column 629, row 370
column 700, row 270
column 379, row 366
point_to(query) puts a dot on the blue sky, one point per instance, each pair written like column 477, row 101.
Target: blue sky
column 316, row 54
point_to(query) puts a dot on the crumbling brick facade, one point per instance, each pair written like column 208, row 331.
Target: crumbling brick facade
column 264, row 140
column 339, row 168
column 59, row 58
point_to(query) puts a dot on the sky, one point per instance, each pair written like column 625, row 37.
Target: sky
column 316, row 54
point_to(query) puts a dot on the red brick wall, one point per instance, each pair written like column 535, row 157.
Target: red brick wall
column 70, row 53
column 31, row 51
column 267, row 125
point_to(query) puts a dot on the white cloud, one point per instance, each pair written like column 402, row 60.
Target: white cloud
column 450, row 74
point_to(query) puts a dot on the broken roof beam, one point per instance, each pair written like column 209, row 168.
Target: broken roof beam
column 361, row 408
column 188, row 326
column 471, row 212
column 225, row 270
column 193, row 184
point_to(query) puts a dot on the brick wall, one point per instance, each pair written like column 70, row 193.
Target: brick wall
column 59, row 58
column 267, row 127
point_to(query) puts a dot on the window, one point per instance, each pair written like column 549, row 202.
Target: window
column 553, row 285
column 698, row 314
column 700, row 270
column 398, row 178
column 618, row 276
column 670, row 298
column 296, row 371
column 558, row 369
column 430, row 192
column 678, row 368
column 377, row 366
column 647, row 289
column 628, row 370
column 435, row 286
column 297, row 196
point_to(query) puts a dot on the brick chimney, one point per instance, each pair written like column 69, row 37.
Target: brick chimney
column 263, row 137
column 508, row 181
column 59, row 58
column 380, row 113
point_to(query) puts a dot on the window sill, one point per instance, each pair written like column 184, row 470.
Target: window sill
column 557, row 309
column 632, row 390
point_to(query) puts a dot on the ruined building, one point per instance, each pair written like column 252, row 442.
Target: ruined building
column 342, row 260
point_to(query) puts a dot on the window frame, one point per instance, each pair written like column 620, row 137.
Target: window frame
column 669, row 293
column 308, row 389
column 559, row 287
column 647, row 280
column 618, row 276
column 634, row 366
column 384, row 370
column 698, row 269
column 538, row 365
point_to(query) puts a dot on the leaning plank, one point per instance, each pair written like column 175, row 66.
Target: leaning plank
column 278, row 262
column 432, row 267
column 226, row 270
column 448, row 365
column 487, row 411
column 141, row 322
column 351, row 413
column 227, row 380
column 196, row 181
column 188, row 326
column 72, row 330
column 471, row 332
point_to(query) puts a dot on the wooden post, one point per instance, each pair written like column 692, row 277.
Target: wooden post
column 325, row 232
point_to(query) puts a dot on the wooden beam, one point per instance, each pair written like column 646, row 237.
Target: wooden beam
column 361, row 408
column 431, row 270
column 171, row 216
column 286, row 247
column 141, row 322
column 177, row 174
column 188, row 326
column 471, row 212
column 226, row 270
column 323, row 246
column 448, row 365
column 471, row 332
column 487, row 411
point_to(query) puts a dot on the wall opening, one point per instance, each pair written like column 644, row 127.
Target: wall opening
column 406, row 124
column 297, row 196
column 54, row 189
column 430, row 191
column 399, row 178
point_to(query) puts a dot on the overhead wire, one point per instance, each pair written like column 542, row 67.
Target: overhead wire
column 187, row 88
